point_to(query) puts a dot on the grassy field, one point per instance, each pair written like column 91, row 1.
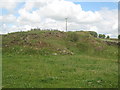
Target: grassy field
column 79, row 71
column 53, row 59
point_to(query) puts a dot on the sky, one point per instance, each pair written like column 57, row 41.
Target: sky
column 24, row 15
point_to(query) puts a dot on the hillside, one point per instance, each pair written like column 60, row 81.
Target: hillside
column 55, row 42
column 40, row 59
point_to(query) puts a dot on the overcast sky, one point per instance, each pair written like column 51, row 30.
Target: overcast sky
column 23, row 15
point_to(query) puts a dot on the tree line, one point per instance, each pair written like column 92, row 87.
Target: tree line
column 103, row 36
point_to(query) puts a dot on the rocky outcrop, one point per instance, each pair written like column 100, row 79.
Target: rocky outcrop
column 112, row 43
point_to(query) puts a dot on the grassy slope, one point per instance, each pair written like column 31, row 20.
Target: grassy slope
column 28, row 60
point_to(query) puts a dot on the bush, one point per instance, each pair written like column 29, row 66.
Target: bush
column 101, row 36
column 108, row 37
column 118, row 36
column 93, row 33
column 74, row 37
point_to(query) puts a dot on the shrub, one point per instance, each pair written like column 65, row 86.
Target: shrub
column 74, row 37
column 93, row 33
column 101, row 36
column 108, row 37
column 118, row 36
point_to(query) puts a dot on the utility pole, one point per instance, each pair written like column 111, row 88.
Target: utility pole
column 66, row 23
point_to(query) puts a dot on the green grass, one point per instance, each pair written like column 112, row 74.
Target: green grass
column 28, row 61
column 77, row 71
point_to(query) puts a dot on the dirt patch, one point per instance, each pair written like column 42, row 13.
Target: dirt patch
column 55, row 34
column 41, row 44
column 112, row 43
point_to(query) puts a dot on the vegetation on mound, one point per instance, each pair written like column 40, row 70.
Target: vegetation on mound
column 55, row 59
column 56, row 43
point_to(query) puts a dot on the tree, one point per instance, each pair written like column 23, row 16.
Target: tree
column 101, row 35
column 93, row 33
column 118, row 36
column 108, row 37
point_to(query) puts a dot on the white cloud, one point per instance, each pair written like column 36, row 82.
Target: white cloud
column 91, row 28
column 8, row 4
column 52, row 14
column 60, row 9
column 8, row 19
column 93, row 0
column 14, row 28
column 27, row 16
